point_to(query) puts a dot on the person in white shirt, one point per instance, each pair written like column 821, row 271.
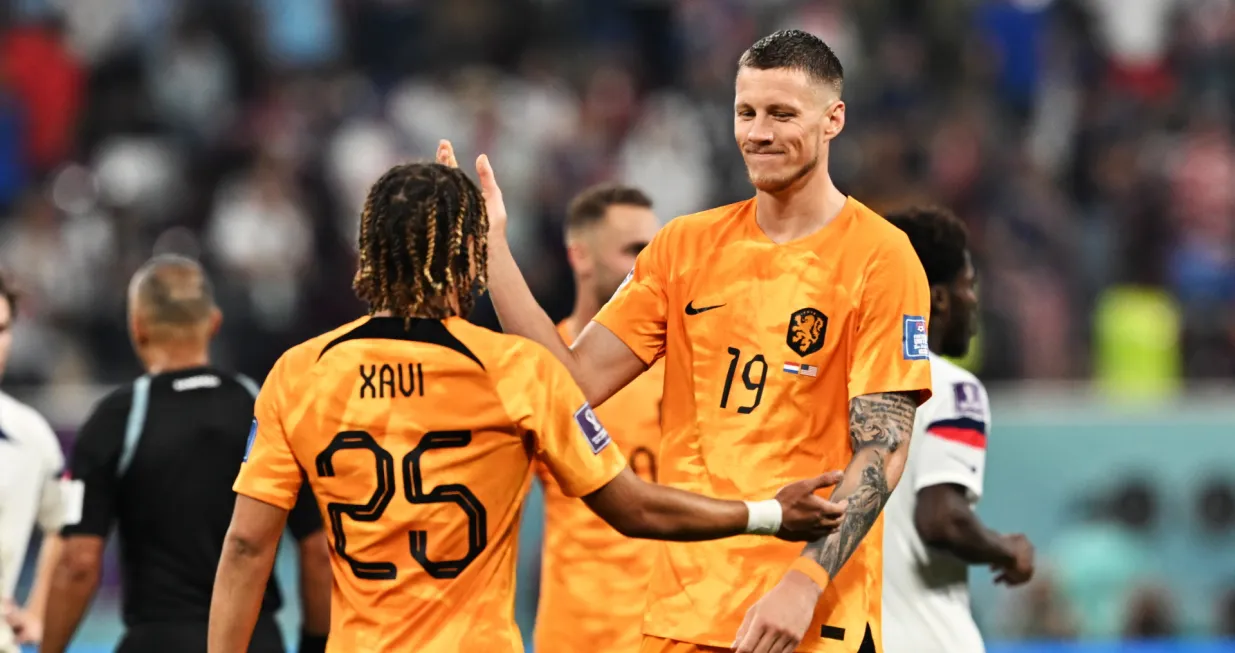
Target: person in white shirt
column 31, row 463
column 932, row 533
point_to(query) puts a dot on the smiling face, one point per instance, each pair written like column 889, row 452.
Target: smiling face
column 782, row 122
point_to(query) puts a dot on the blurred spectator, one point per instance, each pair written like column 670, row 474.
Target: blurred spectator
column 1225, row 617
column 1150, row 615
column 1038, row 612
column 1104, row 559
column 263, row 240
column 48, row 81
column 1215, row 506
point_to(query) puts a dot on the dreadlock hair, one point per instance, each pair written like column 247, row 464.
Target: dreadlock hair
column 422, row 242
column 939, row 238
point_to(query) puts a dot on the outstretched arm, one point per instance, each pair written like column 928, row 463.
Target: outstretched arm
column 879, row 429
column 636, row 508
column 880, row 426
column 599, row 361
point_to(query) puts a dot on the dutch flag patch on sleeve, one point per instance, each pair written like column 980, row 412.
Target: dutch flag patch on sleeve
column 916, row 343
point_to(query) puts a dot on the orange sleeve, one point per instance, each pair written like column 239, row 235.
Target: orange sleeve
column 891, row 352
column 572, row 444
column 270, row 472
column 637, row 312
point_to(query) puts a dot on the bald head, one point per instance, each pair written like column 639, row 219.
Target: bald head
column 170, row 296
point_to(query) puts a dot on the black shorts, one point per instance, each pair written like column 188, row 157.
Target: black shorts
column 190, row 637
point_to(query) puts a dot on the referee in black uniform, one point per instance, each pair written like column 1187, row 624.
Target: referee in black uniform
column 158, row 458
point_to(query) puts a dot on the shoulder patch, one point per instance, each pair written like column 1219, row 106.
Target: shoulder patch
column 969, row 400
column 248, row 446
column 629, row 276
column 916, row 343
column 595, row 433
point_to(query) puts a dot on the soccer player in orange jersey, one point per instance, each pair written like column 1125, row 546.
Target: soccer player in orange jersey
column 793, row 326
column 606, row 227
column 417, row 431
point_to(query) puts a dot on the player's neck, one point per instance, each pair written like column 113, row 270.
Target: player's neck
column 163, row 358
column 800, row 210
column 586, row 308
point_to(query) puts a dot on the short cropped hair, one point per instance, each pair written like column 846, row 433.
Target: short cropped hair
column 797, row 50
column 590, row 206
column 174, row 291
column 939, row 238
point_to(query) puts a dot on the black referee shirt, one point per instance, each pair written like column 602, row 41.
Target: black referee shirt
column 158, row 458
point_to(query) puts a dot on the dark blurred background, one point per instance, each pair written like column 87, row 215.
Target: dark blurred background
column 1087, row 144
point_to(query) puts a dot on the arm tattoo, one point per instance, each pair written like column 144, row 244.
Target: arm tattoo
column 879, row 424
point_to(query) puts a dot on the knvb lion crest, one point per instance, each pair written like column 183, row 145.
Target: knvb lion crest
column 807, row 328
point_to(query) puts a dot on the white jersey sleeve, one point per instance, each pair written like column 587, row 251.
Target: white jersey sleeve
column 950, row 434
column 51, row 508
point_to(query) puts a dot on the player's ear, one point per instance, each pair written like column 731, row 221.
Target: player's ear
column 138, row 331
column 941, row 299
column 833, row 119
column 216, row 321
column 579, row 256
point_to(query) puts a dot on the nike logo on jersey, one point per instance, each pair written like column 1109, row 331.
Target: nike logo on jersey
column 968, row 465
column 691, row 310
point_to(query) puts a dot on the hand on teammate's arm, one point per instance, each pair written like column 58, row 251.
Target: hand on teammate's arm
column 880, row 426
column 599, row 361
column 945, row 521
column 248, row 556
column 636, row 508
column 73, row 584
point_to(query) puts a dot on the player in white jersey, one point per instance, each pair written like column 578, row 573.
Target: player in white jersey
column 932, row 533
column 30, row 494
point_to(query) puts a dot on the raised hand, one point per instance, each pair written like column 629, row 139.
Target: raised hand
column 805, row 516
column 493, row 199
column 488, row 188
column 446, row 154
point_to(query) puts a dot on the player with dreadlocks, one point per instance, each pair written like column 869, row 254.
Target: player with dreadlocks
column 417, row 431
column 415, row 259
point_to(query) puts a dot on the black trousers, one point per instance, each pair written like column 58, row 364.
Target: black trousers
column 190, row 637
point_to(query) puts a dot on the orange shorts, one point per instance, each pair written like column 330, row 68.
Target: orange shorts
column 660, row 645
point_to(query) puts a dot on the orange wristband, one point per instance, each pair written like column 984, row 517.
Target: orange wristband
column 812, row 571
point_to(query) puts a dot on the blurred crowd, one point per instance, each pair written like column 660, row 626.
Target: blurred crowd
column 1103, row 577
column 1087, row 143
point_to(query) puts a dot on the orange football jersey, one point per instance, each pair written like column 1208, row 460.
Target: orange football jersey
column 418, row 444
column 593, row 580
column 764, row 344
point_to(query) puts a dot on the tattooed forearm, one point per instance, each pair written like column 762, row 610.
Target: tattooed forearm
column 882, row 420
column 879, row 430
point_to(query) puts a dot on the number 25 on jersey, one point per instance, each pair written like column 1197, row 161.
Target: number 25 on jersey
column 413, row 492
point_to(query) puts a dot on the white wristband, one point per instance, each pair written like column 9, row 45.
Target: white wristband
column 763, row 517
